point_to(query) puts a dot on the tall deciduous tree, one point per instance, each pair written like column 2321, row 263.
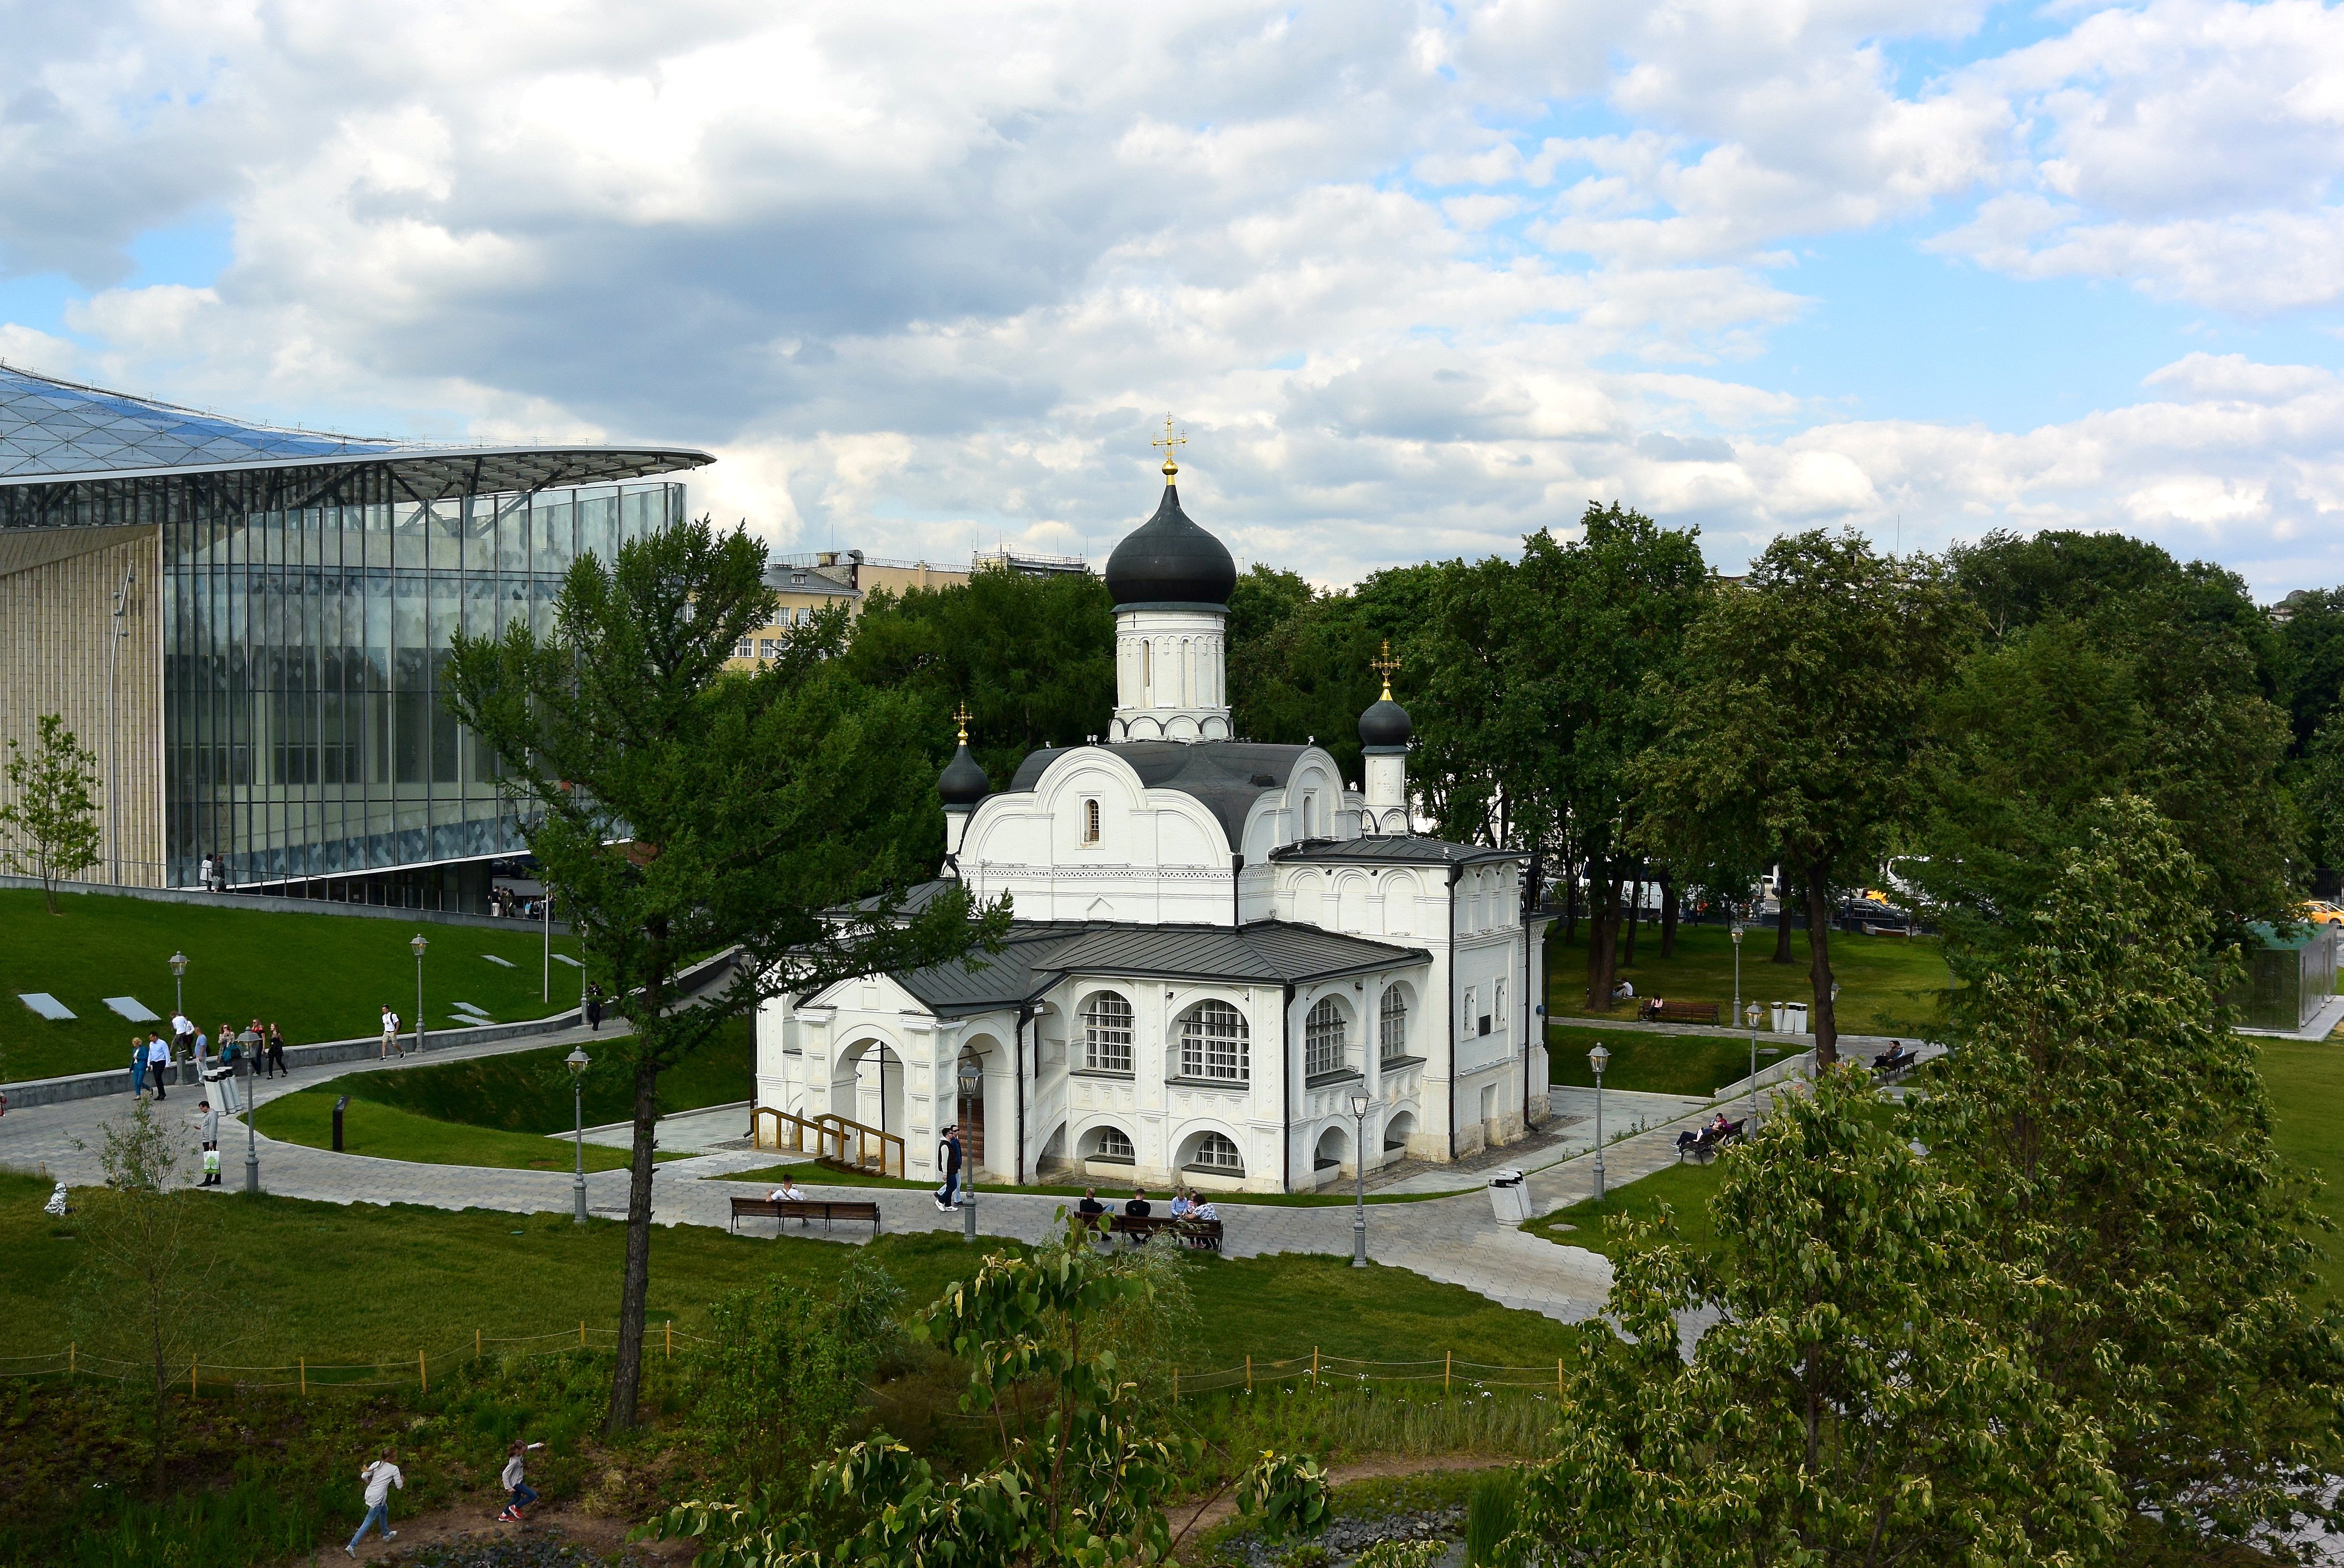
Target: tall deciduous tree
column 2117, row 1132
column 1797, row 719
column 1868, row 1395
column 52, row 820
column 679, row 810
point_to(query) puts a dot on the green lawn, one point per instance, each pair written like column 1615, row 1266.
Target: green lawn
column 1888, row 985
column 824, row 1176
column 359, row 1283
column 2305, row 1085
column 319, row 976
column 1652, row 1063
column 384, row 1132
column 1686, row 1188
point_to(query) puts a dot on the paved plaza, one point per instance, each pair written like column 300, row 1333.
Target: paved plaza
column 1456, row 1240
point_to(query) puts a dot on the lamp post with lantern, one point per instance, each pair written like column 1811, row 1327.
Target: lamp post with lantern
column 416, row 947
column 248, row 1042
column 179, row 998
column 1752, row 1014
column 1360, row 1103
column 577, row 1061
column 1598, row 1058
column 971, row 1084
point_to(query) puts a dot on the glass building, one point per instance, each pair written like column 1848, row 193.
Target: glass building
column 249, row 626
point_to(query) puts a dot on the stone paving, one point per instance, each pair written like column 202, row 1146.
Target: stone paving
column 1454, row 1240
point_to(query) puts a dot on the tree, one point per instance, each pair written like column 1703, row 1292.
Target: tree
column 152, row 1284
column 783, row 1373
column 1865, row 1396
column 2116, row 1134
column 1796, row 720
column 1078, row 1480
column 680, row 811
column 52, row 818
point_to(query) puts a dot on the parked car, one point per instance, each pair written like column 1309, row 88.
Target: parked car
column 2319, row 912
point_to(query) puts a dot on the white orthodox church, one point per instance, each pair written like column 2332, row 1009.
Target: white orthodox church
column 1217, row 943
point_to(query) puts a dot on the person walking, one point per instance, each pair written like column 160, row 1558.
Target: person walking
column 380, row 1478
column 183, row 1034
column 206, row 1122
column 159, row 1057
column 137, row 1067
column 523, row 1495
column 594, row 1008
column 390, row 1033
column 201, row 1054
column 277, row 1053
column 948, row 1161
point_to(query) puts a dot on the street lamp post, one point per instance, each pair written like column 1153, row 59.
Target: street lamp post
column 179, row 998
column 971, row 1085
column 1597, row 1059
column 576, row 1061
column 1734, row 915
column 417, row 946
column 1360, row 1103
column 1753, row 1015
column 249, row 1041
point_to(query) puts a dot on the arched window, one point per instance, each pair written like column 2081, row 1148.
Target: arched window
column 1114, row 1144
column 1090, row 822
column 1213, row 1042
column 1391, row 1024
column 1322, row 1039
column 1106, row 1034
column 1216, row 1153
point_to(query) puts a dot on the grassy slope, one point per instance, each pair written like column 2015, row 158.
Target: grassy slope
column 320, row 976
column 1686, row 1188
column 384, row 1133
column 361, row 1283
column 1889, row 985
column 2306, row 1084
column 1654, row 1064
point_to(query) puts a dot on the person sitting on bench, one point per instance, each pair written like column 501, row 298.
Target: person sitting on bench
column 1090, row 1207
column 1138, row 1208
column 788, row 1191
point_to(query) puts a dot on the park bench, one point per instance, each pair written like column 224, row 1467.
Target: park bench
column 1709, row 1141
column 1205, row 1233
column 805, row 1209
column 1657, row 1011
column 1891, row 1062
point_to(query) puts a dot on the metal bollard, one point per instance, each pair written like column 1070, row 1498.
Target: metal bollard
column 341, row 1106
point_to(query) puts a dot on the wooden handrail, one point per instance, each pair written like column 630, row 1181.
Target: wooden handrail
column 833, row 1139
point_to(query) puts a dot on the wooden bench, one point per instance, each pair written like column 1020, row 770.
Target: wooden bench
column 1665, row 1012
column 805, row 1209
column 1205, row 1233
column 1709, row 1141
column 1891, row 1063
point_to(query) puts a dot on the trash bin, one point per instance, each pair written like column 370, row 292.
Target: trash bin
column 1794, row 1018
column 1509, row 1197
column 1774, row 1023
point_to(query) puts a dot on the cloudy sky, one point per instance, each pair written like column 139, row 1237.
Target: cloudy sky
column 1415, row 279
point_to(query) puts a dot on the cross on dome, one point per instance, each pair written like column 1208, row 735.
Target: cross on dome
column 1386, row 667
column 1165, row 443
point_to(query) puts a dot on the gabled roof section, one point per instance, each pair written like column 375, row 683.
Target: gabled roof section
column 1037, row 955
column 54, row 431
column 1393, row 849
column 1224, row 776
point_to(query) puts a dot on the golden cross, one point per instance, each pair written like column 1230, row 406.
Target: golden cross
column 1387, row 665
column 961, row 718
column 1165, row 443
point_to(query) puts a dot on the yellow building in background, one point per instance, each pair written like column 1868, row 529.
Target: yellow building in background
column 805, row 585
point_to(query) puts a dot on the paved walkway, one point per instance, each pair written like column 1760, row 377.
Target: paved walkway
column 1454, row 1240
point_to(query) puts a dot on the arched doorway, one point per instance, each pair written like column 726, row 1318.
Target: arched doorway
column 1334, row 1147
column 969, row 1114
column 867, row 1085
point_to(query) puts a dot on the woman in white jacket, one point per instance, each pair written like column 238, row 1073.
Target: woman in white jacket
column 523, row 1495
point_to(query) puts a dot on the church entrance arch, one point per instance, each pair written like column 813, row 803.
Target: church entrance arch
column 1334, row 1148
column 968, row 1113
column 866, row 1084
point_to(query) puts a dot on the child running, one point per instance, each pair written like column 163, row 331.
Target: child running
column 523, row 1495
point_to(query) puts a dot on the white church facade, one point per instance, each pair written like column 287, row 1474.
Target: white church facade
column 1217, row 943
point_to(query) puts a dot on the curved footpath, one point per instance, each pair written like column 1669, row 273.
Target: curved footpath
column 1453, row 1239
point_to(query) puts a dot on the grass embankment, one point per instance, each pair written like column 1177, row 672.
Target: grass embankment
column 1686, row 1188
column 2305, row 1082
column 497, row 1111
column 317, row 976
column 1888, row 985
column 1656, row 1064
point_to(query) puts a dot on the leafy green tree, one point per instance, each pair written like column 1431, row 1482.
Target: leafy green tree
column 2310, row 632
column 1796, row 719
column 781, row 1378
column 1865, row 1396
column 53, row 819
column 681, row 810
column 1301, row 661
column 1080, row 1480
column 2116, row 1132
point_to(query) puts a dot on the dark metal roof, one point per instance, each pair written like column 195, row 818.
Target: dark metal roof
column 1168, row 560
column 1403, row 849
column 56, row 432
column 1038, row 954
column 1226, row 776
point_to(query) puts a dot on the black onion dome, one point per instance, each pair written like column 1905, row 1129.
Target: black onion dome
column 963, row 783
column 1168, row 560
column 1385, row 724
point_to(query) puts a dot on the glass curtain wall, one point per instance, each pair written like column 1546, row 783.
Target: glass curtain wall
column 304, row 651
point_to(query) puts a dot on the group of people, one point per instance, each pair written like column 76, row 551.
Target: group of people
column 1185, row 1204
column 152, row 1057
column 507, row 905
column 384, row 1473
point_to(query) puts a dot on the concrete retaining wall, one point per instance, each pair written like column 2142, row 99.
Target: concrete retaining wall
column 276, row 905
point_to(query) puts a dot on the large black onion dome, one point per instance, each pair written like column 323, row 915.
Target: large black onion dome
column 963, row 783
column 1385, row 724
column 1168, row 560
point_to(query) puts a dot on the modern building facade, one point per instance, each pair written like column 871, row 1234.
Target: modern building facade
column 248, row 625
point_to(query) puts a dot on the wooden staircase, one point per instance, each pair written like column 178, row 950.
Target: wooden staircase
column 831, row 1139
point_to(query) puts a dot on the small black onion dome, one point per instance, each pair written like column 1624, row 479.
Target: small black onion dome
column 1169, row 559
column 963, row 783
column 1385, row 724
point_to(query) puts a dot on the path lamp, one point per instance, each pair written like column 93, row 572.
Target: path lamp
column 1360, row 1103
column 577, row 1061
column 248, row 1040
column 971, row 1084
column 1755, row 1012
column 417, row 946
column 178, row 998
column 1598, row 1058
column 1734, row 916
